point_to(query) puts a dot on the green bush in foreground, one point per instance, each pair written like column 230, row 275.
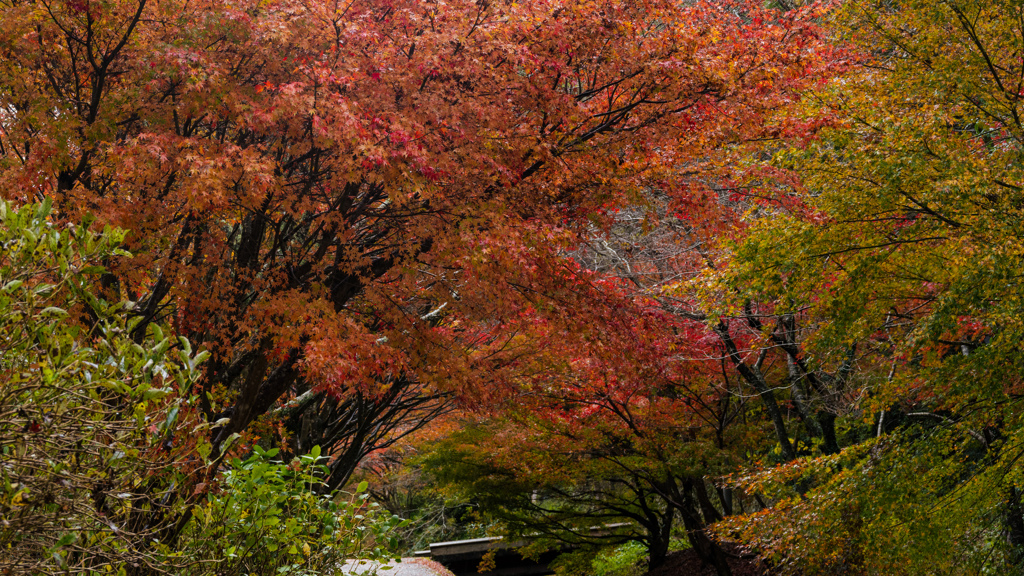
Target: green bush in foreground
column 267, row 519
column 88, row 418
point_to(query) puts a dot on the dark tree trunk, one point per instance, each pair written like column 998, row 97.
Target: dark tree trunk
column 827, row 422
column 658, row 546
column 754, row 377
column 696, row 531
column 1013, row 522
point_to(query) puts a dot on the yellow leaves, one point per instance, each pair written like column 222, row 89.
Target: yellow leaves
column 18, row 499
column 910, row 247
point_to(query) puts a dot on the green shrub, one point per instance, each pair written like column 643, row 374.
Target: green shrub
column 575, row 563
column 92, row 424
column 267, row 518
column 628, row 559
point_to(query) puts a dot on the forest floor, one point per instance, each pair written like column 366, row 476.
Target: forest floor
column 686, row 563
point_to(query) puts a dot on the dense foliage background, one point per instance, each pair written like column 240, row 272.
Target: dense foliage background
column 732, row 278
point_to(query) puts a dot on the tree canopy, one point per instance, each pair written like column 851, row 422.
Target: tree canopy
column 739, row 274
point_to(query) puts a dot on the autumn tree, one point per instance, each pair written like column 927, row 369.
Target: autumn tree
column 344, row 198
column 637, row 424
column 898, row 226
column 665, row 250
column 600, row 432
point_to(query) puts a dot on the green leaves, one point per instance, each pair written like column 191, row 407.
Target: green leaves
column 88, row 426
column 904, row 244
column 270, row 506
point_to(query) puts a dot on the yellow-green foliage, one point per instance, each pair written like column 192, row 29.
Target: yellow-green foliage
column 906, row 242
